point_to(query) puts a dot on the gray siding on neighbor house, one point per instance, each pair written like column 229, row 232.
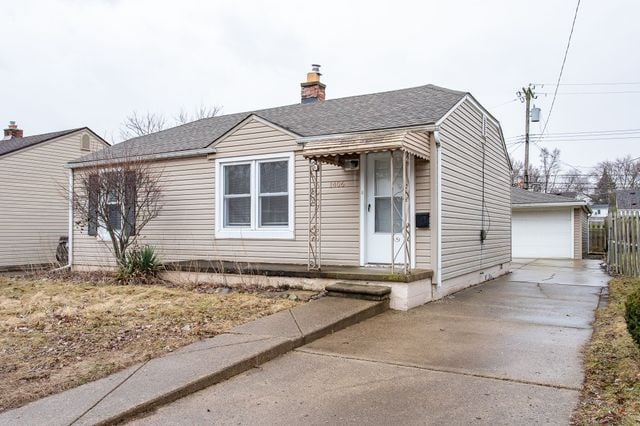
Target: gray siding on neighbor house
column 33, row 200
column 462, row 141
column 185, row 228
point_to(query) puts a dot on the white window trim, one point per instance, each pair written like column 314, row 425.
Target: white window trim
column 254, row 232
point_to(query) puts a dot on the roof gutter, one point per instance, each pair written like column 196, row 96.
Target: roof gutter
column 423, row 127
column 148, row 157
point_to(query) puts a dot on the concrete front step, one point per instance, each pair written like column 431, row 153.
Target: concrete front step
column 145, row 386
column 358, row 291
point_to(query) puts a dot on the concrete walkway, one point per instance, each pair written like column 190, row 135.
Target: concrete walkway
column 505, row 352
column 194, row 367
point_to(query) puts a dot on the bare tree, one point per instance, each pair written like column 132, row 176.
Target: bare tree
column 142, row 124
column 517, row 168
column 203, row 111
column 115, row 199
column 517, row 175
column 626, row 172
column 550, row 168
column 573, row 181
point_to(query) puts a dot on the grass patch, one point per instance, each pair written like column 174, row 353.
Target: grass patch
column 56, row 334
column 611, row 393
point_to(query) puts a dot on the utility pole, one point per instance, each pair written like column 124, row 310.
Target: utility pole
column 525, row 96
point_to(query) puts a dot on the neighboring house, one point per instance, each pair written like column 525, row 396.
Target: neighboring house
column 548, row 226
column 34, row 210
column 627, row 200
column 303, row 194
column 599, row 213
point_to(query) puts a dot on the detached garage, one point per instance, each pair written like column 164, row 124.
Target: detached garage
column 548, row 226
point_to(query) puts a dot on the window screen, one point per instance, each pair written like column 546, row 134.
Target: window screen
column 273, row 207
column 237, row 195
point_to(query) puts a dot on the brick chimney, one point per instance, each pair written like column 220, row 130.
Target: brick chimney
column 12, row 131
column 312, row 89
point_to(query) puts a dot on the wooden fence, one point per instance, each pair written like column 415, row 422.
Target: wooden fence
column 598, row 237
column 623, row 254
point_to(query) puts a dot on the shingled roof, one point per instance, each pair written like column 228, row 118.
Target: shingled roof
column 386, row 110
column 16, row 144
column 628, row 199
column 520, row 196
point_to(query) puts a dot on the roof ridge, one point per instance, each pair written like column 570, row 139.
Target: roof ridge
column 300, row 105
column 62, row 132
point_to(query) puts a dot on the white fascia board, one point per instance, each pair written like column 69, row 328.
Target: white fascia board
column 484, row 111
column 148, row 157
column 544, row 205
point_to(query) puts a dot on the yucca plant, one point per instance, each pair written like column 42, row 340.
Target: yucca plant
column 141, row 263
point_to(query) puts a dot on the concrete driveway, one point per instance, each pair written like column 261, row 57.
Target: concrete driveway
column 505, row 352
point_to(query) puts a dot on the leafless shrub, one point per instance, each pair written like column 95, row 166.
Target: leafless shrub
column 115, row 198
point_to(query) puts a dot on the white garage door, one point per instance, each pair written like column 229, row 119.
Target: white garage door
column 542, row 233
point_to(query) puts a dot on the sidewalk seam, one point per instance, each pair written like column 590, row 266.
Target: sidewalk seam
column 398, row 364
column 296, row 321
column 108, row 393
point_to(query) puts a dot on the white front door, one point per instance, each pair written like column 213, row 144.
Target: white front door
column 379, row 207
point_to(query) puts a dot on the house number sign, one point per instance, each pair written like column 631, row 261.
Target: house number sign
column 337, row 184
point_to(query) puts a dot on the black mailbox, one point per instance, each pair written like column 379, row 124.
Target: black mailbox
column 422, row 220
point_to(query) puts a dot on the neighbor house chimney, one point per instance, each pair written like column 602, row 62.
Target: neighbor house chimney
column 12, row 131
column 312, row 89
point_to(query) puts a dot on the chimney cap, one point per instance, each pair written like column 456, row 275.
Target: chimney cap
column 315, row 68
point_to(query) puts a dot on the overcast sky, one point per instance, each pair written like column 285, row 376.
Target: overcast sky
column 66, row 64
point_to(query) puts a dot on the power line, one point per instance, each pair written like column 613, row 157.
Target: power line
column 618, row 83
column 504, row 103
column 564, row 61
column 613, row 92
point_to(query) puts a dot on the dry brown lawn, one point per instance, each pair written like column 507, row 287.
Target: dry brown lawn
column 611, row 393
column 55, row 334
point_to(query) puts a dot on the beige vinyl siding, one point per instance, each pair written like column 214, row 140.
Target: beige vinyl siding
column 423, row 205
column 580, row 233
column 185, row 228
column 418, row 142
column 33, row 203
column 462, row 251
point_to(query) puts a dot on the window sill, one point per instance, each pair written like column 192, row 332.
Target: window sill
column 252, row 234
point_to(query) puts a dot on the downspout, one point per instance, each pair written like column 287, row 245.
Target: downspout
column 70, row 231
column 436, row 136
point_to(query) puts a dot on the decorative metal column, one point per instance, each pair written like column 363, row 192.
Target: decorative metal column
column 392, row 208
column 315, row 198
column 404, row 248
column 406, row 210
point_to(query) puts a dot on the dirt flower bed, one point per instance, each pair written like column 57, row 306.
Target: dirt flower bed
column 611, row 393
column 56, row 334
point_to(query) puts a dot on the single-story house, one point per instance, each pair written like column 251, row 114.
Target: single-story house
column 548, row 226
column 407, row 188
column 34, row 210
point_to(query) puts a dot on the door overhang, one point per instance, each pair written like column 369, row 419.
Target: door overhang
column 335, row 149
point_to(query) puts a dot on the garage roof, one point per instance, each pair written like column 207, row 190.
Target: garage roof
column 523, row 199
